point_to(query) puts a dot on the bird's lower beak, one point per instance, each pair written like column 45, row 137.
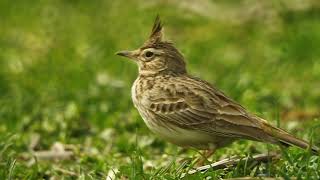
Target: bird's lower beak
column 124, row 53
column 128, row 54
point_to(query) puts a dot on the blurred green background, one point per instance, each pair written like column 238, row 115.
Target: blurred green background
column 61, row 82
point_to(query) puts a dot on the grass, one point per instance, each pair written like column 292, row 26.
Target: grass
column 61, row 82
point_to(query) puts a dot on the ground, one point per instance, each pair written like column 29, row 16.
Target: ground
column 62, row 89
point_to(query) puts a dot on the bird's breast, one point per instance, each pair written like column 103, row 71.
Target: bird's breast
column 135, row 95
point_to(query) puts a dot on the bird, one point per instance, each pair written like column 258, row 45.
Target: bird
column 188, row 111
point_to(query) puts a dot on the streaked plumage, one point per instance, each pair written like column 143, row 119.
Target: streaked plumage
column 188, row 111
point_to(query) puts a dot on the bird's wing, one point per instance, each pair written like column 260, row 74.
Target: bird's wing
column 194, row 104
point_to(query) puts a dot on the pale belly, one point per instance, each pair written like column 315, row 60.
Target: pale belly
column 181, row 137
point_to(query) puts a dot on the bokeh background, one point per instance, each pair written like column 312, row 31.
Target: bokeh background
column 62, row 87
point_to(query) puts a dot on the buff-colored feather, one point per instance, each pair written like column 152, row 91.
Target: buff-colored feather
column 188, row 111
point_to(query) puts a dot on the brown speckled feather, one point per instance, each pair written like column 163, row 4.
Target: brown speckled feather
column 193, row 104
column 189, row 111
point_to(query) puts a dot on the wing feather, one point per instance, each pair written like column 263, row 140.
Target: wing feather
column 207, row 109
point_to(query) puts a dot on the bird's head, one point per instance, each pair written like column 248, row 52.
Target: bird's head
column 157, row 56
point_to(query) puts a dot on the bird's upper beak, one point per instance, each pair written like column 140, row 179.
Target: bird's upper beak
column 129, row 54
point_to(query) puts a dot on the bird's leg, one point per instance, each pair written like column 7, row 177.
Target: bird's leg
column 183, row 159
column 204, row 157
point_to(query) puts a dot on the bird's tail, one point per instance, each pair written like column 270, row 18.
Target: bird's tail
column 284, row 138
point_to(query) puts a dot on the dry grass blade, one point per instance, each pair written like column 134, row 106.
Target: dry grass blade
column 232, row 162
column 66, row 172
column 257, row 178
column 57, row 152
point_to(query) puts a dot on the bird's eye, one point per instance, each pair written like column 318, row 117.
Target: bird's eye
column 149, row 54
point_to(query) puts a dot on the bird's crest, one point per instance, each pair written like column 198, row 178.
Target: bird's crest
column 156, row 33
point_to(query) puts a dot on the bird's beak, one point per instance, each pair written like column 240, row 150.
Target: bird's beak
column 129, row 54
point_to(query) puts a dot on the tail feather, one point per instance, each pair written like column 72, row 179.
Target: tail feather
column 287, row 139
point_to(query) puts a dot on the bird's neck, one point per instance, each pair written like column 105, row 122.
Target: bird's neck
column 146, row 73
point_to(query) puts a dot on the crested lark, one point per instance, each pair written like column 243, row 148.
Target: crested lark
column 188, row 111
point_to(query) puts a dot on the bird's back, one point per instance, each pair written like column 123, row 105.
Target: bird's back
column 190, row 112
